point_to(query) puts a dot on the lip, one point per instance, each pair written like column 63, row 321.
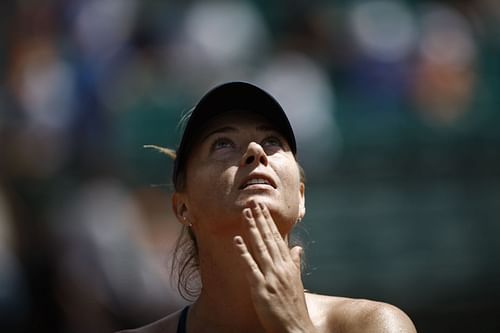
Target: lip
column 271, row 182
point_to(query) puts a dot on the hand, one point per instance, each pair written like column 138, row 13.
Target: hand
column 273, row 273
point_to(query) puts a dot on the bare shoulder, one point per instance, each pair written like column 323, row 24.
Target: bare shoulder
column 341, row 314
column 165, row 325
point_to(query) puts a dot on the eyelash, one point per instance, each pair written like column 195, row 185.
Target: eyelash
column 275, row 141
column 221, row 140
column 272, row 138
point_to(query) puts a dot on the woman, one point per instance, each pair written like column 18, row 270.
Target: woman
column 239, row 191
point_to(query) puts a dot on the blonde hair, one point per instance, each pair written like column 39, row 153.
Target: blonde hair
column 184, row 267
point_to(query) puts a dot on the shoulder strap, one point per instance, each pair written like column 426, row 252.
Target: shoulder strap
column 181, row 325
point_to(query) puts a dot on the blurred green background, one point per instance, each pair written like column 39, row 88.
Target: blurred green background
column 396, row 109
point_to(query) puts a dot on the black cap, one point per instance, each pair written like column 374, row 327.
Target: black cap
column 231, row 96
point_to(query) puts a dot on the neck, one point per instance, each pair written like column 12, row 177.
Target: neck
column 225, row 303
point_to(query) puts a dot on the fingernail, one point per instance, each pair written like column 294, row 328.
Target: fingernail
column 247, row 213
column 238, row 240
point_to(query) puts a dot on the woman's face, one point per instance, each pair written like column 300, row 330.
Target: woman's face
column 240, row 157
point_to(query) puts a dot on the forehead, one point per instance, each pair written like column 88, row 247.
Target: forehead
column 236, row 119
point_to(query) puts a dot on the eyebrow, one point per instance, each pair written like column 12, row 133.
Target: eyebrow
column 225, row 129
column 230, row 129
column 266, row 128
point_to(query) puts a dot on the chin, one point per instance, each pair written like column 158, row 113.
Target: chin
column 247, row 203
column 282, row 216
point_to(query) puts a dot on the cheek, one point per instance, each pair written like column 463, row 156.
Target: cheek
column 206, row 181
column 291, row 180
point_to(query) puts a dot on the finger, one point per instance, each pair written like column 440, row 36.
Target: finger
column 257, row 246
column 263, row 222
column 296, row 253
column 252, row 271
column 279, row 242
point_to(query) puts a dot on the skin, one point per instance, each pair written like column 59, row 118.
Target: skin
column 251, row 278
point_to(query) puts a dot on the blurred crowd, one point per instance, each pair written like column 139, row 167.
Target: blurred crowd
column 85, row 222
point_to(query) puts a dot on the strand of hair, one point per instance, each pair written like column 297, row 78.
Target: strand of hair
column 167, row 151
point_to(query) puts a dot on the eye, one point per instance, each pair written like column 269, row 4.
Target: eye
column 272, row 141
column 221, row 143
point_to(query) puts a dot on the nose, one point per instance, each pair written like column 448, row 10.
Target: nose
column 254, row 154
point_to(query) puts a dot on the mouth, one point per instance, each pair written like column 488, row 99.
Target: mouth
column 257, row 182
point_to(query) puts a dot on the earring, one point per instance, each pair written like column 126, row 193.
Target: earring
column 184, row 219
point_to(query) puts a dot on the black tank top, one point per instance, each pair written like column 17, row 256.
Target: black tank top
column 181, row 325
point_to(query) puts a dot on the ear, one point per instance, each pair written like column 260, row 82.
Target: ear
column 302, row 198
column 180, row 208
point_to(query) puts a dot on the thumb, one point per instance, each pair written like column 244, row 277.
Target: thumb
column 296, row 254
